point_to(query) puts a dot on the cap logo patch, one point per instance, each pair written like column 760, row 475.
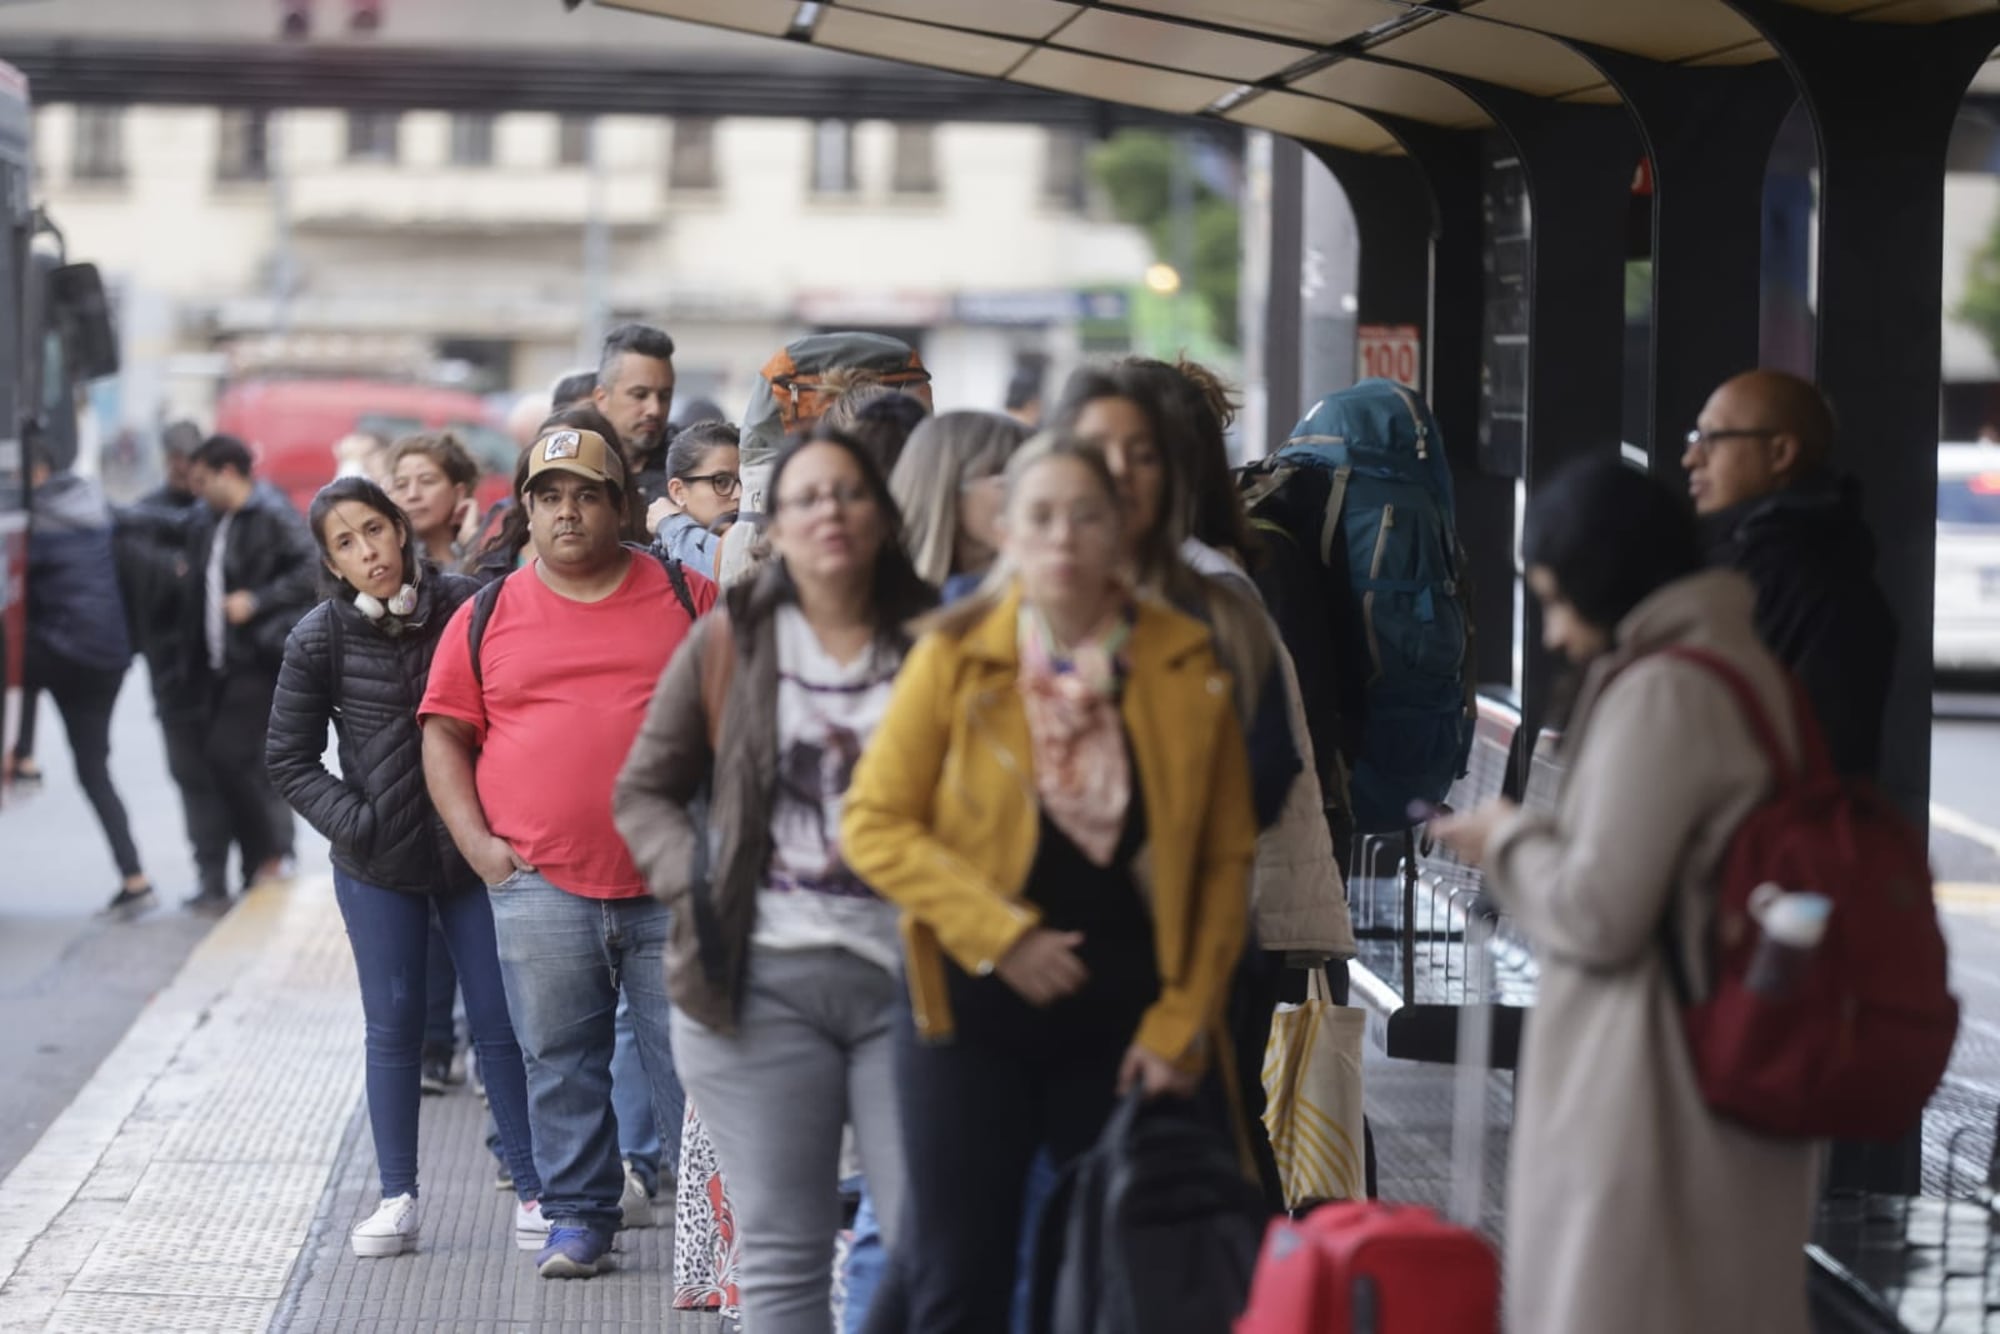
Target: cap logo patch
column 562, row 445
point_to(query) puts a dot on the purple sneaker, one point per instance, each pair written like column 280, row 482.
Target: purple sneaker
column 574, row 1252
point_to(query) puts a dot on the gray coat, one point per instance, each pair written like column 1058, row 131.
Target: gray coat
column 1630, row 1206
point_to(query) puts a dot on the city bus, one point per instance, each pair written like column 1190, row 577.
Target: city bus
column 55, row 333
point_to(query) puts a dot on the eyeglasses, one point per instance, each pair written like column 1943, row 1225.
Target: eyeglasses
column 841, row 497
column 1700, row 439
column 725, row 484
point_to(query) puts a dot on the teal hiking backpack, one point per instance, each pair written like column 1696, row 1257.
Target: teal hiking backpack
column 1363, row 487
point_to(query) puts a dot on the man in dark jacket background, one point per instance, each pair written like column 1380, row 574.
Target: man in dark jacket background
column 1760, row 469
column 252, row 568
column 153, row 570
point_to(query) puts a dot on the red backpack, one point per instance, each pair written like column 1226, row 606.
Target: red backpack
column 1855, row 1046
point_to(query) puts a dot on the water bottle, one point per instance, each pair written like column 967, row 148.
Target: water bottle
column 1792, row 925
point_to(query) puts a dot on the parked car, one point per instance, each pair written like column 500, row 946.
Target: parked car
column 1967, row 633
column 293, row 425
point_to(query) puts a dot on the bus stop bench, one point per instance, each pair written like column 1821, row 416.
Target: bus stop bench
column 1428, row 940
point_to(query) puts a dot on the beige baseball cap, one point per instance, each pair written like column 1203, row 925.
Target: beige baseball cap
column 585, row 453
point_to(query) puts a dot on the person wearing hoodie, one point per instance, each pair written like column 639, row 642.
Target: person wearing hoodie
column 1772, row 507
column 78, row 648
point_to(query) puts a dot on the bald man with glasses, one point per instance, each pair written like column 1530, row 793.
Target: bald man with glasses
column 1760, row 469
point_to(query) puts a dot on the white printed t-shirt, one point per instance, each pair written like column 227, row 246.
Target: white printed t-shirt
column 827, row 711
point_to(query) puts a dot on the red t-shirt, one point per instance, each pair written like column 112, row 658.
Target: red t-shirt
column 566, row 687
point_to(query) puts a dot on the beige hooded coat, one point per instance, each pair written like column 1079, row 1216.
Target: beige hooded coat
column 1631, row 1209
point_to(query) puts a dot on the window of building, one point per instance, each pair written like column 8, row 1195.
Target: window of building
column 243, row 148
column 915, row 170
column 98, row 153
column 471, row 140
column 1065, row 177
column 692, row 164
column 573, row 141
column 833, row 158
column 372, row 136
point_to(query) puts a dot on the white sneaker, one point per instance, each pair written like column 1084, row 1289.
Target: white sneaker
column 390, row 1230
column 636, row 1205
column 531, row 1229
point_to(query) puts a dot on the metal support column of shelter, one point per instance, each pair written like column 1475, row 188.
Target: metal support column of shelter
column 1578, row 162
column 1284, row 308
column 1708, row 133
column 1422, row 239
column 1883, row 98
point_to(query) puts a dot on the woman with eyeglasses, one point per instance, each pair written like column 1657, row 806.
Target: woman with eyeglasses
column 783, row 967
column 702, row 490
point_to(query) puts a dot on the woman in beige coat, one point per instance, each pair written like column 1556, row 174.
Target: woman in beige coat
column 1630, row 1206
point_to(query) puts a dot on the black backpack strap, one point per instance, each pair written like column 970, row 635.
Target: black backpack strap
column 678, row 578
column 676, row 575
column 483, row 603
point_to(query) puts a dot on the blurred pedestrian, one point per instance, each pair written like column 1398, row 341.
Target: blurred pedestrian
column 635, row 392
column 523, row 737
column 1760, row 467
column 78, row 649
column 1058, row 800
column 785, row 1011
column 252, row 565
column 879, row 417
column 356, row 661
column 1630, row 1205
column 431, row 476
column 704, row 483
column 950, row 483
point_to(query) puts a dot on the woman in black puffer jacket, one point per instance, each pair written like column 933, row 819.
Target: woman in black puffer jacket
column 360, row 660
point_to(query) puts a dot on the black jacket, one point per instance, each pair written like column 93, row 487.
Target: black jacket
column 153, row 574
column 1819, row 609
column 76, row 613
column 273, row 557
column 378, row 814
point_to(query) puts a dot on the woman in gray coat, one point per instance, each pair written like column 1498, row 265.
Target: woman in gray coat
column 1631, row 1206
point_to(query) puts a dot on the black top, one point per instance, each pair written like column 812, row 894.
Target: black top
column 1106, row 905
column 1819, row 609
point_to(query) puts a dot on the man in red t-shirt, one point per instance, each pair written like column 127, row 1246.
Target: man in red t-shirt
column 520, row 752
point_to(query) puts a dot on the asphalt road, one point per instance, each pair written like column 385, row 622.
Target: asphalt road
column 71, row 982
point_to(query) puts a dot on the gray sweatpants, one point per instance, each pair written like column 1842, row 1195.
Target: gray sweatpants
column 812, row 1051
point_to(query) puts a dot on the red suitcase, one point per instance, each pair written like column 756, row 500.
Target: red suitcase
column 1369, row 1268
column 1366, row 1267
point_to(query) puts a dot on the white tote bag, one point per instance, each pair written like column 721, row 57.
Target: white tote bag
column 1312, row 1097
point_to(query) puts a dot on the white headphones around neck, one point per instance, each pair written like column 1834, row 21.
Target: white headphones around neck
column 373, row 608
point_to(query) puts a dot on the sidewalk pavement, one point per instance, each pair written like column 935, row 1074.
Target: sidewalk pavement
column 205, row 1178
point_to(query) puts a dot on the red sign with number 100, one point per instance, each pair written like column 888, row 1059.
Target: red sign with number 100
column 1392, row 352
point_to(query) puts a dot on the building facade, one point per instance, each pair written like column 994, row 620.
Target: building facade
column 492, row 250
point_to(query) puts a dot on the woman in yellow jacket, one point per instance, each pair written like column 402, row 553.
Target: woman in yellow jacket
column 1058, row 799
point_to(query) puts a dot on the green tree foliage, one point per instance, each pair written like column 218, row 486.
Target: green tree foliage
column 1979, row 306
column 1135, row 168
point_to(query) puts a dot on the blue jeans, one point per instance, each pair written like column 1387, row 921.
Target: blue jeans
column 440, row 991
column 390, row 933
column 868, row 1261
column 566, row 959
column 632, row 1103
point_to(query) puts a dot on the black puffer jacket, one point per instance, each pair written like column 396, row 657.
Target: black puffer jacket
column 378, row 815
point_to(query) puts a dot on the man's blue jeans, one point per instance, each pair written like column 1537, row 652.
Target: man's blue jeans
column 566, row 959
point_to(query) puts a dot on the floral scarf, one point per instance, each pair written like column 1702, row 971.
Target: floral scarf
column 1083, row 772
